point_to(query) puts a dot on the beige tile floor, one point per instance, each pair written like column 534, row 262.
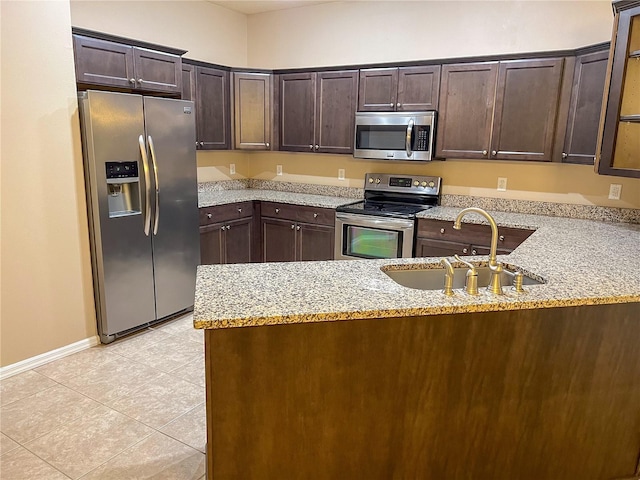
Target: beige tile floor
column 133, row 409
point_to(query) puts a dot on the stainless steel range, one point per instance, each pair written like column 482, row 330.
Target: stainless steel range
column 383, row 224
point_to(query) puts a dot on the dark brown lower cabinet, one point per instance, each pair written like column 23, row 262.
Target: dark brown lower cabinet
column 296, row 233
column 226, row 234
column 438, row 238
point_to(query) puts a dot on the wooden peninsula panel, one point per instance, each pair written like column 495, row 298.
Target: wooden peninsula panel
column 545, row 394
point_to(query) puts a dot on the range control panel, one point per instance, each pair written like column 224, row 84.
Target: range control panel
column 416, row 184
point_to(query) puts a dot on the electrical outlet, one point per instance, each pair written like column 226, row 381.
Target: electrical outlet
column 614, row 191
column 341, row 174
column 502, row 184
column 232, row 169
column 278, row 169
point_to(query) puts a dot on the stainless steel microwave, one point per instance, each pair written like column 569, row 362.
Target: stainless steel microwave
column 394, row 135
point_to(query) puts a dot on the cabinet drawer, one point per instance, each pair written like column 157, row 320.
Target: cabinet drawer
column 471, row 233
column 225, row 213
column 298, row 213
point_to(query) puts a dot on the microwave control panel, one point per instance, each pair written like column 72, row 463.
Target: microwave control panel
column 422, row 138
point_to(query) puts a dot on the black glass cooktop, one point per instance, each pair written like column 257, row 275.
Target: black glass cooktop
column 384, row 209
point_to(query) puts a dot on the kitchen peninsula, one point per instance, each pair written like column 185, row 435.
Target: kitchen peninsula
column 332, row 370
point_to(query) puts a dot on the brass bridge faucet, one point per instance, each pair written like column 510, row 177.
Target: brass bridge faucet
column 495, row 282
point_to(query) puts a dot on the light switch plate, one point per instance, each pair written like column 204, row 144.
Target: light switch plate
column 615, row 190
column 232, row 169
column 278, row 169
column 502, row 184
column 341, row 174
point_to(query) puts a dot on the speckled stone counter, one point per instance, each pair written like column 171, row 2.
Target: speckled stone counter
column 211, row 198
column 582, row 262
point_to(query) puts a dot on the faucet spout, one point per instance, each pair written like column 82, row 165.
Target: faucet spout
column 495, row 283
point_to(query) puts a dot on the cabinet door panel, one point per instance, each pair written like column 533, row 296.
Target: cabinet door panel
column 252, row 95
column 188, row 82
column 425, row 247
column 526, row 109
column 212, row 108
column 336, row 109
column 378, row 90
column 585, row 107
column 157, row 71
column 418, row 88
column 315, row 242
column 465, row 110
column 297, row 111
column 278, row 240
column 211, row 244
column 237, row 241
column 103, row 63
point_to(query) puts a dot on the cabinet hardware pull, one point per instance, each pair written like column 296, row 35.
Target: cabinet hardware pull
column 311, row 147
column 277, row 210
column 398, row 104
column 209, row 215
column 501, row 238
column 317, row 147
column 132, row 80
column 292, row 226
column 140, row 80
column 202, row 144
column 197, row 144
column 564, row 155
column 465, row 250
column 484, row 152
column 494, row 153
column 228, row 227
column 298, row 227
column 473, row 252
column 315, row 215
column 391, row 104
column 266, row 144
column 442, row 230
column 239, row 210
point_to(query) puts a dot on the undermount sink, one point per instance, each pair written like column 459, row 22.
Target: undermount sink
column 433, row 278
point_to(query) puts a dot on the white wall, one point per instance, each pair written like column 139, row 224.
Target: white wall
column 210, row 33
column 343, row 33
column 47, row 297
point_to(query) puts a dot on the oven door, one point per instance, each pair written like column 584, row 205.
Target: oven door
column 368, row 236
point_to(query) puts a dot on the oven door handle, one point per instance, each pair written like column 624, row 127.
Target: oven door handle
column 407, row 143
column 377, row 222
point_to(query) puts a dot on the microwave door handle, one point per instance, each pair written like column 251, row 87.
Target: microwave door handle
column 408, row 138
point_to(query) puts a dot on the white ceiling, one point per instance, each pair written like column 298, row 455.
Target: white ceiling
column 250, row 7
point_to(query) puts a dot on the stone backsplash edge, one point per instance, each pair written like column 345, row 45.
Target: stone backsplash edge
column 586, row 212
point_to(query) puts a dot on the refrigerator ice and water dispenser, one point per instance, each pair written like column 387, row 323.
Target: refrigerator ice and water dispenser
column 123, row 186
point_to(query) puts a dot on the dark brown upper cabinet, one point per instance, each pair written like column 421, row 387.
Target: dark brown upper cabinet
column 500, row 110
column 252, row 111
column 317, row 111
column 111, row 64
column 584, row 108
column 399, row 89
column 619, row 140
column 212, row 108
column 188, row 82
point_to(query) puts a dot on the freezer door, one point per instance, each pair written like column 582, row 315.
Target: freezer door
column 121, row 252
column 170, row 129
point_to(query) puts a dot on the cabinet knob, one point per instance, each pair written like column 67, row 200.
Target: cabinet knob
column 465, row 250
column 398, row 104
column 298, row 227
column 310, row 147
column 197, row 144
column 222, row 227
column 391, row 104
column 292, row 226
column 473, row 252
column 277, row 210
column 494, row 153
column 564, row 156
column 228, row 227
column 442, row 230
column 484, row 152
column 239, row 210
column 267, row 145
column 317, row 147
column 209, row 215
column 315, row 215
column 132, row 81
column 202, row 144
column 501, row 238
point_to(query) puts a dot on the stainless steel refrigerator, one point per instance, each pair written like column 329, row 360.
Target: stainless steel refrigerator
column 142, row 199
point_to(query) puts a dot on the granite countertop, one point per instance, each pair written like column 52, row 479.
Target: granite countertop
column 582, row 262
column 212, row 198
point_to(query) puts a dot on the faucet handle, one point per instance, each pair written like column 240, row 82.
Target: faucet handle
column 471, row 280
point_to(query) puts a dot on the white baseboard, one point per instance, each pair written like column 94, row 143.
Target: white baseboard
column 47, row 357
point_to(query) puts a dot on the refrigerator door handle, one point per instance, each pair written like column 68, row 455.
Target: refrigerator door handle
column 147, row 185
column 155, row 175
